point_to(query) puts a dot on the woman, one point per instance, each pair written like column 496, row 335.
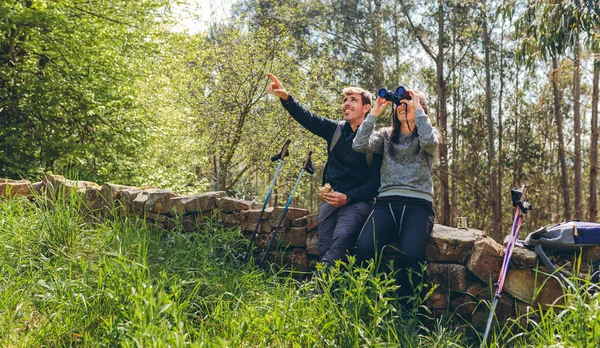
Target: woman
column 403, row 213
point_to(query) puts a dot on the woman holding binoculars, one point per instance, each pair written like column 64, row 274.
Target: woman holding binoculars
column 403, row 212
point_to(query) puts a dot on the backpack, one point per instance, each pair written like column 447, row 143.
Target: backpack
column 570, row 235
column 336, row 136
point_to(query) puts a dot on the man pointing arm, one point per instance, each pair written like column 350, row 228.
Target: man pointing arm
column 353, row 177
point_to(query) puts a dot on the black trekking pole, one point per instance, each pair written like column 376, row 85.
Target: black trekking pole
column 523, row 206
column 280, row 156
column 308, row 167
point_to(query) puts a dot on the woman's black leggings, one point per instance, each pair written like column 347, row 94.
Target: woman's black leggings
column 406, row 222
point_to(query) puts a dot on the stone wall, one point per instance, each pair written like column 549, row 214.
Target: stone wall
column 462, row 262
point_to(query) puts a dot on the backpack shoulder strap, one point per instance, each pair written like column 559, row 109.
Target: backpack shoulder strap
column 369, row 159
column 336, row 135
column 549, row 265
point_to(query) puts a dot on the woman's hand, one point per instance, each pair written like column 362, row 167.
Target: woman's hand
column 413, row 104
column 380, row 105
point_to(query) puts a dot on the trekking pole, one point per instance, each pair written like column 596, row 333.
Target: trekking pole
column 308, row 167
column 280, row 156
column 523, row 206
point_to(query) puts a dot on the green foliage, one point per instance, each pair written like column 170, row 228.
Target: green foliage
column 65, row 83
column 570, row 322
column 550, row 27
column 104, row 90
column 215, row 127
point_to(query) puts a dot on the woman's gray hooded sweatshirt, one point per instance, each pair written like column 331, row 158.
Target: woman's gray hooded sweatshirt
column 406, row 172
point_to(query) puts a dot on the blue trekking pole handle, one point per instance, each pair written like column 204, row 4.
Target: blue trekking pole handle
column 280, row 156
column 306, row 167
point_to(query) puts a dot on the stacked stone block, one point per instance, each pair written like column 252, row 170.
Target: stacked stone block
column 465, row 264
column 290, row 246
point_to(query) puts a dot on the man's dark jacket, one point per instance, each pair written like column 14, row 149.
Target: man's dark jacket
column 347, row 171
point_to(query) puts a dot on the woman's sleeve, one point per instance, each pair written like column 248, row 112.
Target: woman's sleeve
column 366, row 140
column 429, row 137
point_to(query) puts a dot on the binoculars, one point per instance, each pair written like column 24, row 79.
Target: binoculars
column 396, row 96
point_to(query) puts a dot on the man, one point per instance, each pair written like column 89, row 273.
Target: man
column 353, row 176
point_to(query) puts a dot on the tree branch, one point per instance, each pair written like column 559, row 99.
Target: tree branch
column 237, row 177
column 479, row 190
column 103, row 17
column 416, row 32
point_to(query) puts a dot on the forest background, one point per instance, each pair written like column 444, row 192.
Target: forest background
column 115, row 91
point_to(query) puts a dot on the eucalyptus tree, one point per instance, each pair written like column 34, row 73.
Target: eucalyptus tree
column 438, row 55
column 359, row 32
column 354, row 34
column 542, row 37
column 593, row 203
column 429, row 23
column 494, row 196
column 497, row 66
column 67, row 70
column 578, row 179
column 552, row 27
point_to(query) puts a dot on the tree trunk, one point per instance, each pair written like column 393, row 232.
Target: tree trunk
column 397, row 24
column 578, row 183
column 442, row 113
column 561, row 144
column 493, row 192
column 378, row 77
column 594, row 144
column 222, row 175
column 500, row 162
column 215, row 181
column 517, row 114
column 455, row 154
column 442, row 118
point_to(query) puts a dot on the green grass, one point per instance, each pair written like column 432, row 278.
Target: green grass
column 67, row 280
column 573, row 321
